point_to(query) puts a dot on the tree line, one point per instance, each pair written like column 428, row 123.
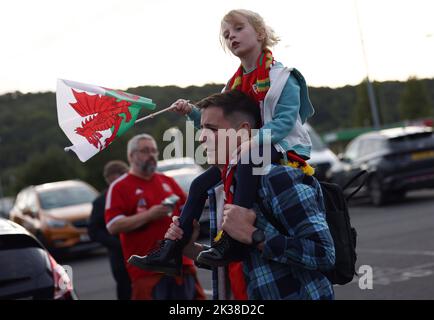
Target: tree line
column 31, row 141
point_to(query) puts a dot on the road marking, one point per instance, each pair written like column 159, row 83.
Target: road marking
column 397, row 252
column 386, row 275
column 208, row 292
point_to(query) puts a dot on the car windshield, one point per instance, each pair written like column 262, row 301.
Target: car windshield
column 64, row 197
column 317, row 143
column 184, row 180
column 411, row 140
column 168, row 167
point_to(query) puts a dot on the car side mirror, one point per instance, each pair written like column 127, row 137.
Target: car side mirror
column 341, row 157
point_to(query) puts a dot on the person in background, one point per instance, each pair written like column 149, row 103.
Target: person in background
column 99, row 233
column 136, row 209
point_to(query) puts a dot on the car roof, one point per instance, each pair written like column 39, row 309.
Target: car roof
column 59, row 185
column 397, row 132
column 7, row 227
column 183, row 171
column 176, row 161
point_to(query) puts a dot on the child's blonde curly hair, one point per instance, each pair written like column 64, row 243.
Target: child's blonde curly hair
column 256, row 21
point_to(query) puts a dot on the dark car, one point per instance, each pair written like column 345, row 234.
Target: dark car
column 397, row 160
column 27, row 270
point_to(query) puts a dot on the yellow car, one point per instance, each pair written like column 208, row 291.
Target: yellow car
column 57, row 214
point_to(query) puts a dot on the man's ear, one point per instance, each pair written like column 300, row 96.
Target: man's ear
column 130, row 157
column 245, row 126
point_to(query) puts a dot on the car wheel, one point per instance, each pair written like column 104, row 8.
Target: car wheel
column 399, row 195
column 376, row 193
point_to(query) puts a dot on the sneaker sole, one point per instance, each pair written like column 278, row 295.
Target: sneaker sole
column 167, row 270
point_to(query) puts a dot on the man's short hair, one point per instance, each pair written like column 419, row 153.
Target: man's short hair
column 236, row 105
column 115, row 167
column 133, row 143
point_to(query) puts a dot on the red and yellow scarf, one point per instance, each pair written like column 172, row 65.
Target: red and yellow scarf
column 256, row 83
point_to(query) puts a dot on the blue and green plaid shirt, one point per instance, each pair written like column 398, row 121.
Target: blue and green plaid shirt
column 289, row 267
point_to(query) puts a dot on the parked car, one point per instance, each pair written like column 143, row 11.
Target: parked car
column 6, row 205
column 397, row 160
column 57, row 214
column 177, row 163
column 184, row 171
column 27, row 270
column 321, row 157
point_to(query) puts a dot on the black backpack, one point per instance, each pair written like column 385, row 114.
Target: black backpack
column 343, row 234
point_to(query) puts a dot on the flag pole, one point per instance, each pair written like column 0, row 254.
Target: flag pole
column 150, row 116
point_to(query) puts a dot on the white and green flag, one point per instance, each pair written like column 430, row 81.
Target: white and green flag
column 92, row 116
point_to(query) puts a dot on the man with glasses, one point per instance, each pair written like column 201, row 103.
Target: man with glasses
column 134, row 210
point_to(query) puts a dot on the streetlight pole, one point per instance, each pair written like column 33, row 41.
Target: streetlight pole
column 371, row 94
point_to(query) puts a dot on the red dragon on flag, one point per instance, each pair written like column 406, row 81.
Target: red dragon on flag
column 103, row 113
column 93, row 116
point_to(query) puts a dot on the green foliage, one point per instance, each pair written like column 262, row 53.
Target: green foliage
column 332, row 108
column 51, row 165
column 362, row 114
column 415, row 102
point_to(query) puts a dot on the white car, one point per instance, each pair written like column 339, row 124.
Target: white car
column 321, row 157
column 184, row 171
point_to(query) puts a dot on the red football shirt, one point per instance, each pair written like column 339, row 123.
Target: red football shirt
column 123, row 197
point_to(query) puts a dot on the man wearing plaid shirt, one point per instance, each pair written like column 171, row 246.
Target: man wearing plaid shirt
column 276, row 266
column 282, row 267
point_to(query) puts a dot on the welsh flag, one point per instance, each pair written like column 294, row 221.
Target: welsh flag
column 92, row 117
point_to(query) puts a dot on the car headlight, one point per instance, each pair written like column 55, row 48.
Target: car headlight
column 56, row 223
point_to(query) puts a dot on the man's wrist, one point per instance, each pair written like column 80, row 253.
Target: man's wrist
column 250, row 234
column 257, row 238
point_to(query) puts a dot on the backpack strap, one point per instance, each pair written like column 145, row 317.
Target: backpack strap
column 268, row 214
column 351, row 181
